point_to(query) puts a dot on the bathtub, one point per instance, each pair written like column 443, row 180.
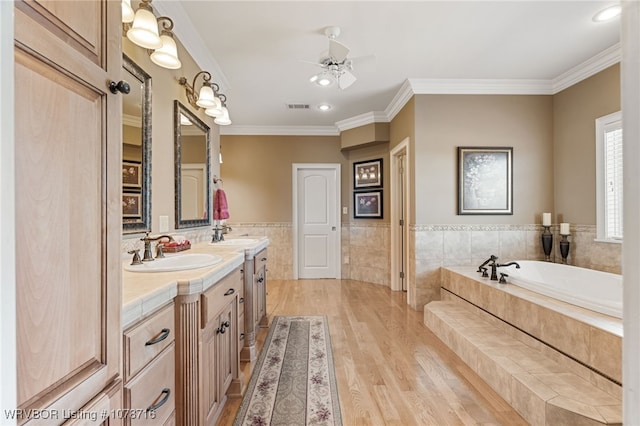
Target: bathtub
column 595, row 290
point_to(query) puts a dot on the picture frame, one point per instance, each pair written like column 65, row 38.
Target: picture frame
column 367, row 205
column 367, row 174
column 131, row 174
column 485, row 180
column 131, row 205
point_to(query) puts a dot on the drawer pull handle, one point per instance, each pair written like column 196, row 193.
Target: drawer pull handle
column 241, row 336
column 164, row 333
column 230, row 292
column 263, row 259
column 165, row 398
column 241, row 300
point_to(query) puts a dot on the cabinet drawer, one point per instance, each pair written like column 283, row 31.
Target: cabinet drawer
column 153, row 389
column 219, row 295
column 260, row 261
column 147, row 339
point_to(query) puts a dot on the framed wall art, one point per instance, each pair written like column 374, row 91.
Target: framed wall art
column 367, row 205
column 132, row 174
column 485, row 180
column 367, row 174
column 131, row 205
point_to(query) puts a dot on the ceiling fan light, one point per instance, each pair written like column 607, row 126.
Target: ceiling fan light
column 607, row 14
column 127, row 12
column 167, row 55
column 144, row 30
column 324, row 81
column 206, row 97
column 223, row 119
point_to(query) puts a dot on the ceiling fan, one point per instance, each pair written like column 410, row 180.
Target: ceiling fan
column 335, row 63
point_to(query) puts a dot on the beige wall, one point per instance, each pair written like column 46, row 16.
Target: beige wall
column 445, row 122
column 257, row 173
column 165, row 89
column 370, row 152
column 367, row 134
column 574, row 112
column 401, row 127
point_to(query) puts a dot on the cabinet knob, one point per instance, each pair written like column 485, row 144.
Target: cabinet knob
column 260, row 280
column 230, row 292
column 121, row 86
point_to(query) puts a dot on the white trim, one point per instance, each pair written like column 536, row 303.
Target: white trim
column 132, row 120
column 426, row 86
column 295, row 167
column 401, row 148
column 8, row 344
column 280, row 130
column 399, row 100
column 601, row 217
column 362, row 120
column 590, row 67
column 630, row 85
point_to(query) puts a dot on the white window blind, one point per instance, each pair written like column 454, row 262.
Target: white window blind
column 609, row 177
column 613, row 170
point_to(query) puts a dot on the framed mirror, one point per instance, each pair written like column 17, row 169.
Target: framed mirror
column 192, row 168
column 136, row 149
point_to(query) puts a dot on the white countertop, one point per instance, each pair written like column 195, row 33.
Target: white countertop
column 143, row 293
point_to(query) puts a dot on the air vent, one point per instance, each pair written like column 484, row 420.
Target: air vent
column 298, row 106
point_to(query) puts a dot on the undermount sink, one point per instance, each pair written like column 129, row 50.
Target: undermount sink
column 236, row 242
column 178, row 262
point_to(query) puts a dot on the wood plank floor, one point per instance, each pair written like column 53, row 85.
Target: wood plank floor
column 391, row 370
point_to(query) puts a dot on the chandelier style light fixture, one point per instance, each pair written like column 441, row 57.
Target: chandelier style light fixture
column 142, row 29
column 207, row 97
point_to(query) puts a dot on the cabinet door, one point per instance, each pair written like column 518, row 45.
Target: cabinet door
column 210, row 390
column 67, row 131
column 261, row 296
column 227, row 341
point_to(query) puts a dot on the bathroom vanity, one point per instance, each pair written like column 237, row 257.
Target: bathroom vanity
column 196, row 322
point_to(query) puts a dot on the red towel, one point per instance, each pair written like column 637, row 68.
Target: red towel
column 220, row 207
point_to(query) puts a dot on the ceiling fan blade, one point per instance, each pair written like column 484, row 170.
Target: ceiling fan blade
column 338, row 51
column 364, row 63
column 346, row 79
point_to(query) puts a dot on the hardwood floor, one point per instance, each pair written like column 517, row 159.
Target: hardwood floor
column 391, row 370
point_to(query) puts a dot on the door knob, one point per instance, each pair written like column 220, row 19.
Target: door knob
column 333, row 228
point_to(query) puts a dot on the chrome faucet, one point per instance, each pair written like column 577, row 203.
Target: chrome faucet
column 147, row 255
column 218, row 233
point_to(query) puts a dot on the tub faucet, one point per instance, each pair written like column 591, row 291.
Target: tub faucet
column 495, row 266
column 491, row 259
column 147, row 256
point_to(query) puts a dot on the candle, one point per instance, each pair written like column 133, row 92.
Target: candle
column 546, row 219
column 564, row 229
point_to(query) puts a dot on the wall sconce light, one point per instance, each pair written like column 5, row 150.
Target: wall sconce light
column 207, row 97
column 142, row 30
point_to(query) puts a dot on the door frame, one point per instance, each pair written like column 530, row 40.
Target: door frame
column 338, row 244
column 396, row 237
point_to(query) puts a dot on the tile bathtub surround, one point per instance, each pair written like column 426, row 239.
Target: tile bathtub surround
column 591, row 338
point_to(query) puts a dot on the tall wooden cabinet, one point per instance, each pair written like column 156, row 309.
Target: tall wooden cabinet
column 68, row 226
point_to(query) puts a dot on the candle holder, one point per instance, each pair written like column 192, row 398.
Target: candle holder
column 564, row 248
column 547, row 242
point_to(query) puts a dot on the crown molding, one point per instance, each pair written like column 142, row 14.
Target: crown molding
column 399, row 100
column 131, row 120
column 362, row 120
column 280, row 130
column 591, row 66
column 479, row 87
column 191, row 40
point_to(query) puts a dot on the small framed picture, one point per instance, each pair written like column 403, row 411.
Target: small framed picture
column 132, row 205
column 131, row 174
column 485, row 180
column 367, row 205
column 367, row 174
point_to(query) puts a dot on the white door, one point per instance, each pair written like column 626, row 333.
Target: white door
column 317, row 202
column 194, row 191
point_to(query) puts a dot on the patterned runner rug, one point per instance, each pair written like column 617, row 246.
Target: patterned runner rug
column 293, row 382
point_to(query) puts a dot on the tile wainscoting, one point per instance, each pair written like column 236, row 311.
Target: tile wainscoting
column 366, row 250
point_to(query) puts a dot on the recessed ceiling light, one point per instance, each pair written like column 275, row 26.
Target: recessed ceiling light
column 607, row 14
column 324, row 107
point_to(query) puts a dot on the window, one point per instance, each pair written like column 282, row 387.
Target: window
column 609, row 177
